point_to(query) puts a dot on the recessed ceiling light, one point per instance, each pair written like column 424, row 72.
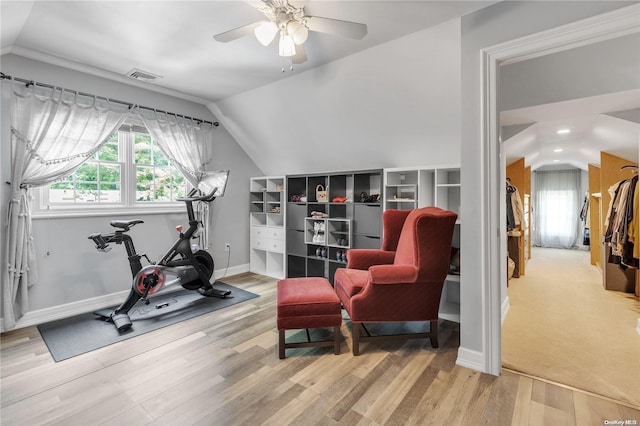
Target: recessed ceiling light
column 556, row 161
column 563, row 131
column 557, row 150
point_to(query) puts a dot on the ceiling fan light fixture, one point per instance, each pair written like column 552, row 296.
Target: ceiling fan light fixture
column 297, row 31
column 286, row 47
column 266, row 32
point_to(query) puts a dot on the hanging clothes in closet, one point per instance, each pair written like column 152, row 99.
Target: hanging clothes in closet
column 584, row 217
column 515, row 209
column 621, row 223
column 515, row 219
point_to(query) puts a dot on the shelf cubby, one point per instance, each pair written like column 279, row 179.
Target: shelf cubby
column 266, row 219
column 340, row 218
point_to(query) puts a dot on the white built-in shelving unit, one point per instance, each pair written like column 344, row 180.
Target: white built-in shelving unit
column 266, row 219
column 414, row 187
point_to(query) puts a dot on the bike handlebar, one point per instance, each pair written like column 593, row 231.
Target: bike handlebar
column 207, row 197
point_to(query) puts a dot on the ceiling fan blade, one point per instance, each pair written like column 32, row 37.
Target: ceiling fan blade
column 237, row 33
column 336, row 26
column 300, row 57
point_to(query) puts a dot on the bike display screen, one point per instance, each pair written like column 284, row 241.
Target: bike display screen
column 214, row 181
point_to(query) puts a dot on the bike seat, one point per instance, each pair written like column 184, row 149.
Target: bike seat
column 125, row 224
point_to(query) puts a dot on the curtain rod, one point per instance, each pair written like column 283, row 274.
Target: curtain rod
column 28, row 83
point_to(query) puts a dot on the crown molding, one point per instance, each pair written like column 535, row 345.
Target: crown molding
column 617, row 23
column 97, row 72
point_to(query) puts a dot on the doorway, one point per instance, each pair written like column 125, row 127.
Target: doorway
column 607, row 26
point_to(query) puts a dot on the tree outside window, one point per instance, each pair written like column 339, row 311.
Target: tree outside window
column 97, row 181
column 156, row 178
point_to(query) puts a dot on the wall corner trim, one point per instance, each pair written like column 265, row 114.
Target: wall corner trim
column 469, row 358
column 505, row 308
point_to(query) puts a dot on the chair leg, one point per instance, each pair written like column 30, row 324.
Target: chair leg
column 433, row 332
column 281, row 344
column 355, row 339
column 336, row 340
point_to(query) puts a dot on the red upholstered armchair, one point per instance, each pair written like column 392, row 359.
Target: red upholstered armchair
column 401, row 282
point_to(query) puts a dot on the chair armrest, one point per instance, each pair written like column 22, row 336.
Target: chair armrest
column 393, row 274
column 365, row 258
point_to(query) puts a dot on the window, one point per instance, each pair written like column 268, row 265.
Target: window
column 557, row 204
column 98, row 180
column 128, row 172
column 156, row 179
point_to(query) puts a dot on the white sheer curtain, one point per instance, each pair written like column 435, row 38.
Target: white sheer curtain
column 557, row 208
column 53, row 131
column 188, row 144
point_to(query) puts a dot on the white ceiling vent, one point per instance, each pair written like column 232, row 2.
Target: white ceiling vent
column 137, row 74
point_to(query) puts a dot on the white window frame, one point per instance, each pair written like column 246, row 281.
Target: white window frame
column 128, row 205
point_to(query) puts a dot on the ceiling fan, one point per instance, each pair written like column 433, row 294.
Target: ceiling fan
column 293, row 26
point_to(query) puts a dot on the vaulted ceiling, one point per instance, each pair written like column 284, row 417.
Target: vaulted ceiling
column 174, row 39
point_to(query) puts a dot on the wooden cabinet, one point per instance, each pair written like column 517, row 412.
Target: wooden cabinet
column 267, row 235
column 409, row 188
column 318, row 232
column 520, row 177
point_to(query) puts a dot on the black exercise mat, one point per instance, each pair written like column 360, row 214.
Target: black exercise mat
column 83, row 333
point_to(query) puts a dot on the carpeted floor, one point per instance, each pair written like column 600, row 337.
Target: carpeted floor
column 563, row 326
column 83, row 333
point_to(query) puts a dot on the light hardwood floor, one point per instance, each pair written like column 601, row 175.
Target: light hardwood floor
column 223, row 369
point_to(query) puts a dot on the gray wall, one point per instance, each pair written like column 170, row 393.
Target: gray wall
column 600, row 68
column 395, row 104
column 488, row 27
column 70, row 268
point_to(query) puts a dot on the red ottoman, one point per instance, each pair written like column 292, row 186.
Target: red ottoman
column 305, row 303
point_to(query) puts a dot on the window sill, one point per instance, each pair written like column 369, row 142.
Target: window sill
column 105, row 211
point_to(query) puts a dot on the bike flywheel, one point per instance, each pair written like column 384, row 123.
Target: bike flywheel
column 150, row 277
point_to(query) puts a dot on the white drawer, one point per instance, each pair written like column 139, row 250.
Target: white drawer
column 276, row 246
column 258, row 232
column 275, row 233
column 259, row 237
column 259, row 243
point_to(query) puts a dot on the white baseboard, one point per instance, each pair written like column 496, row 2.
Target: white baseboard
column 220, row 274
column 54, row 313
column 505, row 308
column 638, row 326
column 471, row 359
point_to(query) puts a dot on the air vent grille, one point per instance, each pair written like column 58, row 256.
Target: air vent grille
column 137, row 74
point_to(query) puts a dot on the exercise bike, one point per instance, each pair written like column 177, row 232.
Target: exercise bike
column 191, row 266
